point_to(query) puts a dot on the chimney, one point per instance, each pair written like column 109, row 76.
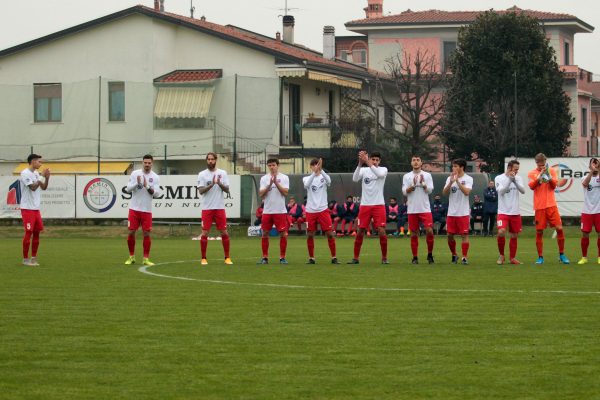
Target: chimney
column 329, row 42
column 156, row 6
column 288, row 29
column 162, row 5
column 278, row 36
column 374, row 9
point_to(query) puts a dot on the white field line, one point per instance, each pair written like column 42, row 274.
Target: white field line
column 144, row 270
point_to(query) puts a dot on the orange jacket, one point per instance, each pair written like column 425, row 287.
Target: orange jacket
column 543, row 193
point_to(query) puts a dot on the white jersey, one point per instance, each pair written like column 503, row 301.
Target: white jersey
column 274, row 200
column 316, row 188
column 418, row 200
column 591, row 196
column 30, row 199
column 213, row 199
column 508, row 194
column 141, row 199
column 458, row 203
column 373, row 181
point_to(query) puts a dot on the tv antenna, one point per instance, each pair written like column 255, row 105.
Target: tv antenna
column 192, row 9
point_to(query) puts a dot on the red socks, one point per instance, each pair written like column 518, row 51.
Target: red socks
column 560, row 239
column 357, row 245
column 131, row 244
column 430, row 239
column 465, row 249
column 226, row 245
column 26, row 243
column 585, row 243
column 501, row 244
column 147, row 244
column 383, row 244
column 282, row 246
column 331, row 243
column 265, row 246
column 539, row 243
column 414, row 245
column 35, row 243
column 512, row 245
column 203, row 245
column 452, row 246
column 310, row 243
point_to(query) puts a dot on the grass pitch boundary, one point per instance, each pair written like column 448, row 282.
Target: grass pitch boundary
column 144, row 270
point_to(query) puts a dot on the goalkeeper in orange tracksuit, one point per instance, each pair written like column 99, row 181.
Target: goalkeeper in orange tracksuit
column 543, row 180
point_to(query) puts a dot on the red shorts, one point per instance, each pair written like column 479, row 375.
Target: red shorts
column 458, row 225
column 414, row 220
column 588, row 221
column 32, row 220
column 279, row 220
column 512, row 223
column 137, row 218
column 216, row 216
column 547, row 216
column 323, row 218
column 376, row 213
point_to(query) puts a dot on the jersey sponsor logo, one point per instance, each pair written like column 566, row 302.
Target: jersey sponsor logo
column 454, row 189
column 100, row 195
column 314, row 188
column 367, row 181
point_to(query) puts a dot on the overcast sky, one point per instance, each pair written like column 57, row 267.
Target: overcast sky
column 24, row 20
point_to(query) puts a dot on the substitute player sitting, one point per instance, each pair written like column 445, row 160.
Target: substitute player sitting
column 316, row 185
column 212, row 183
column 543, row 180
column 144, row 186
column 590, row 215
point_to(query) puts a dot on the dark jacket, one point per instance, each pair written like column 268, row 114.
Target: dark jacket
column 477, row 211
column 438, row 210
column 490, row 204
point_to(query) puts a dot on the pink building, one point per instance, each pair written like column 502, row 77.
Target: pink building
column 436, row 32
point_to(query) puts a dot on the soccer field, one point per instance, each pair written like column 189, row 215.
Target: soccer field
column 85, row 326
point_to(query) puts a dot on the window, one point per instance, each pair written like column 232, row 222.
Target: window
column 116, row 101
column 584, row 122
column 389, row 117
column 344, row 55
column 47, row 102
column 449, row 48
column 359, row 57
column 567, row 54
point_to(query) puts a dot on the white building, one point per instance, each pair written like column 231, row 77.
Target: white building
column 146, row 81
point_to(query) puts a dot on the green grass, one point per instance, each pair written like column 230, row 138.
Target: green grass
column 84, row 326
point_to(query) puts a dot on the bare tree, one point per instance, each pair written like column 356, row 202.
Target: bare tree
column 411, row 95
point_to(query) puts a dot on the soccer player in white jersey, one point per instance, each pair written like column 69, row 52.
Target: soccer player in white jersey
column 417, row 185
column 212, row 183
column 590, row 215
column 458, row 187
column 144, row 187
column 372, row 203
column 508, row 186
column 30, row 182
column 274, row 187
column 316, row 185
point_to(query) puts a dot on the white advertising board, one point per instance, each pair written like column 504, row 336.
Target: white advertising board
column 105, row 197
column 569, row 192
column 58, row 201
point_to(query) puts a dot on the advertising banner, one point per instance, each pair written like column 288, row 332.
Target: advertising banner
column 58, row 201
column 105, row 197
column 569, row 192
